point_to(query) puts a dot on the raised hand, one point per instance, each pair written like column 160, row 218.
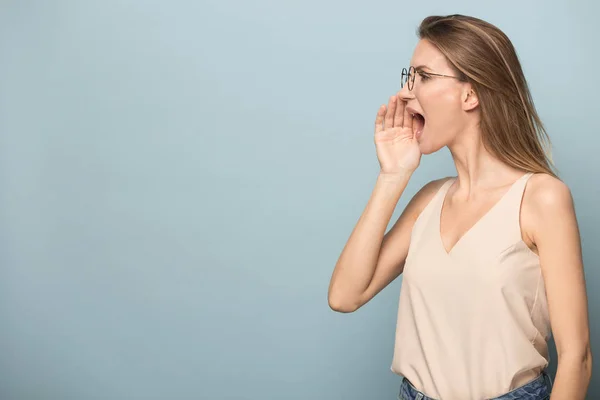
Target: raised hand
column 397, row 148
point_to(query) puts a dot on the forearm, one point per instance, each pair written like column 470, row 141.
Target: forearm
column 572, row 377
column 357, row 263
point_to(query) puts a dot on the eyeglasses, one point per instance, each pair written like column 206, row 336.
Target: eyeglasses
column 409, row 76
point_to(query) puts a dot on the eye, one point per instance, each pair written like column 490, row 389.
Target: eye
column 424, row 76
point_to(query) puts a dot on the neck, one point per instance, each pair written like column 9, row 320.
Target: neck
column 476, row 167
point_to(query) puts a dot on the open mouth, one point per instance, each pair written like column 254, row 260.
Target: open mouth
column 418, row 124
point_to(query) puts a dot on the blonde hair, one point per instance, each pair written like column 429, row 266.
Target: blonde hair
column 484, row 56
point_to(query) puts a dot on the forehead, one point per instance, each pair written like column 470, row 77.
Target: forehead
column 426, row 53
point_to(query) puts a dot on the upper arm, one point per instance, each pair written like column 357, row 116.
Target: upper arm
column 394, row 247
column 555, row 233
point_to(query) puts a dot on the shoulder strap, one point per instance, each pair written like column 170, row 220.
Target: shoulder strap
column 431, row 210
column 444, row 188
column 513, row 204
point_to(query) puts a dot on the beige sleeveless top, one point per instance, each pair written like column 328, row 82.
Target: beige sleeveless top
column 472, row 322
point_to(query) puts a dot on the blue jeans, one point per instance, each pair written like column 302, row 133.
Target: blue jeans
column 538, row 389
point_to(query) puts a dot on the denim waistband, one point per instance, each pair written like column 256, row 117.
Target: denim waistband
column 537, row 389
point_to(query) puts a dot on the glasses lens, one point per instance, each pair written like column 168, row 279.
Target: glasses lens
column 411, row 78
column 404, row 78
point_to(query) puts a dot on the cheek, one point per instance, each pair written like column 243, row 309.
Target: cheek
column 443, row 118
column 441, row 106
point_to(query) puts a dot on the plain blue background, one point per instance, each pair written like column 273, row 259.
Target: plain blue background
column 179, row 178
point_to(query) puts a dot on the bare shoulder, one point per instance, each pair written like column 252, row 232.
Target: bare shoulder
column 546, row 199
column 547, row 193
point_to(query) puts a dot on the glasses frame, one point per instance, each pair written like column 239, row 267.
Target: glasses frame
column 408, row 76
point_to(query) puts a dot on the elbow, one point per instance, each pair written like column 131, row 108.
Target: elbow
column 588, row 361
column 577, row 359
column 341, row 305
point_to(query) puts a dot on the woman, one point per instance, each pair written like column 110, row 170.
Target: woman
column 490, row 256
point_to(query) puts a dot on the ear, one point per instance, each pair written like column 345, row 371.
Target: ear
column 469, row 98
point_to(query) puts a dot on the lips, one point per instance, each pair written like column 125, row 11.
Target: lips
column 418, row 122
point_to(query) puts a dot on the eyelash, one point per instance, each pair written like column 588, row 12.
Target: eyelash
column 424, row 76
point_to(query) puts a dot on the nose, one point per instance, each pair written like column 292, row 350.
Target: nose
column 405, row 94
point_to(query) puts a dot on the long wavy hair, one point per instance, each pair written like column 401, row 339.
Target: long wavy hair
column 482, row 55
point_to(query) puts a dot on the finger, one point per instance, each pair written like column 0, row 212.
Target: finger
column 379, row 119
column 399, row 116
column 389, row 115
column 408, row 118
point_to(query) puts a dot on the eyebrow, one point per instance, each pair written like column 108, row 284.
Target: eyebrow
column 421, row 67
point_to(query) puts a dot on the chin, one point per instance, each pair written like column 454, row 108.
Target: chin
column 426, row 148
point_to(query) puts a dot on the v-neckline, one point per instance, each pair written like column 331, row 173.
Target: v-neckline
column 474, row 225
